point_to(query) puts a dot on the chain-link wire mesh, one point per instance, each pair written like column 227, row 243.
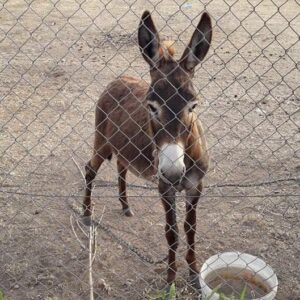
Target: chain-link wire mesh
column 57, row 58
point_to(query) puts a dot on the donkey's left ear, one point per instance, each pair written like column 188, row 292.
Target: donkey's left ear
column 199, row 44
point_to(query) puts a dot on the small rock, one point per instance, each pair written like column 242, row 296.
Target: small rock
column 159, row 270
column 260, row 111
column 101, row 284
column 187, row 5
column 128, row 283
column 264, row 249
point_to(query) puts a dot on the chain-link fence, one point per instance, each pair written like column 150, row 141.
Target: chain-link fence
column 57, row 57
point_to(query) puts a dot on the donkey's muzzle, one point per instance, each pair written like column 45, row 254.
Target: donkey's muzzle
column 172, row 178
column 171, row 167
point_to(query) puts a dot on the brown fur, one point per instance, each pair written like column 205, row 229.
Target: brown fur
column 127, row 129
column 167, row 49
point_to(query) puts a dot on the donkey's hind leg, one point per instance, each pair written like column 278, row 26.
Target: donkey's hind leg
column 91, row 170
column 122, row 171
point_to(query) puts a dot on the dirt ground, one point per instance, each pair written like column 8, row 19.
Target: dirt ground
column 56, row 58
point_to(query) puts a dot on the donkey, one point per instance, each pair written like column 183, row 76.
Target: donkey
column 153, row 131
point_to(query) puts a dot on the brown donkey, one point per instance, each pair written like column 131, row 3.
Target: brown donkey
column 152, row 130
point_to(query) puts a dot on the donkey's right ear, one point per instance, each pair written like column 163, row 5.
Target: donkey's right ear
column 149, row 39
column 199, row 44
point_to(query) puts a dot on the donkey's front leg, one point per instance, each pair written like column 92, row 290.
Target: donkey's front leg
column 192, row 196
column 167, row 193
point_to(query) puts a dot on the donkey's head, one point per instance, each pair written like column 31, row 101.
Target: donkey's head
column 171, row 96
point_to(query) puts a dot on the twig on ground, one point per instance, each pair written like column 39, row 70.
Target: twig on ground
column 73, row 229
column 96, row 227
column 79, row 224
column 91, row 282
column 78, row 167
column 92, row 251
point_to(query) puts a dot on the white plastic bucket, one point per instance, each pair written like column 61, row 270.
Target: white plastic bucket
column 241, row 261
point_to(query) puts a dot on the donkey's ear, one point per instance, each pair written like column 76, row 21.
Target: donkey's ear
column 199, row 44
column 148, row 39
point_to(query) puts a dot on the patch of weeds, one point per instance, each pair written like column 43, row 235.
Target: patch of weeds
column 1, row 295
column 161, row 295
column 223, row 297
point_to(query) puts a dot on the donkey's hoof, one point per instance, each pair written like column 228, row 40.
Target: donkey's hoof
column 195, row 283
column 87, row 220
column 128, row 212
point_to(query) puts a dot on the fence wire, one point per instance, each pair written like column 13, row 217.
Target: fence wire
column 57, row 58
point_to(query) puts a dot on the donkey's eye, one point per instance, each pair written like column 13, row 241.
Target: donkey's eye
column 153, row 109
column 192, row 107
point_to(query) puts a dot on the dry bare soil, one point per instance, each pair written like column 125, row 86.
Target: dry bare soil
column 56, row 58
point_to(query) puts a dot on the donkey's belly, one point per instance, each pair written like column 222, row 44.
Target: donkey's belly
column 147, row 173
column 133, row 146
column 140, row 163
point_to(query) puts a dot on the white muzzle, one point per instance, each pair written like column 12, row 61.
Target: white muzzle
column 171, row 167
